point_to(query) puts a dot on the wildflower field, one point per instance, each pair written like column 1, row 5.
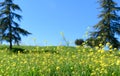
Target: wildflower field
column 59, row 61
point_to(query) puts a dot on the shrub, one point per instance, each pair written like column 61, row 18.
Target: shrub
column 79, row 41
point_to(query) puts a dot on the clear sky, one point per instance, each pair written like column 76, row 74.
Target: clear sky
column 45, row 19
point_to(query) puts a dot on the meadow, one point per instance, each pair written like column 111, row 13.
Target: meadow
column 58, row 61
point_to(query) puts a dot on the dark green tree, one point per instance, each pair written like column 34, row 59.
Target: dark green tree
column 92, row 42
column 109, row 25
column 10, row 28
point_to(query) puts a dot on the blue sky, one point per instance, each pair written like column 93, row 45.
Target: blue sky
column 45, row 19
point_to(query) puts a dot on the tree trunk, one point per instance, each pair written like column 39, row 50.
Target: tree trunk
column 10, row 28
column 10, row 44
column 10, row 37
column 10, row 33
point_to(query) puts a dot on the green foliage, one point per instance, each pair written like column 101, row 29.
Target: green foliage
column 92, row 42
column 10, row 29
column 109, row 25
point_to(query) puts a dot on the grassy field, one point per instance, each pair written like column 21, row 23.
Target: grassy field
column 58, row 61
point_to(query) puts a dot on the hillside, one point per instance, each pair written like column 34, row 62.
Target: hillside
column 58, row 61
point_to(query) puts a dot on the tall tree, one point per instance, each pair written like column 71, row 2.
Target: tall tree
column 10, row 29
column 109, row 25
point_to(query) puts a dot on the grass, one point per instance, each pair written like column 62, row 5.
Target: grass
column 58, row 61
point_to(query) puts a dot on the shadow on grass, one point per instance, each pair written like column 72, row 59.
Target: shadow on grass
column 35, row 49
column 24, row 51
column 50, row 51
column 16, row 50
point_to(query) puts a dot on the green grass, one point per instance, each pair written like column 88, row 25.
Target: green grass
column 58, row 61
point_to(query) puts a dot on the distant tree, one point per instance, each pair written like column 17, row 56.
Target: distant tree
column 10, row 29
column 109, row 25
column 79, row 41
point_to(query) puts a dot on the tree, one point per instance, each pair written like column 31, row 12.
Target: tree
column 10, row 29
column 93, row 42
column 109, row 25
column 79, row 41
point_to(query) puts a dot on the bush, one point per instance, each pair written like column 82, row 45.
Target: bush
column 79, row 41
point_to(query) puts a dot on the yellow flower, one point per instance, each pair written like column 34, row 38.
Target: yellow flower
column 25, row 62
column 98, row 37
column 96, row 48
column 33, row 68
column 73, row 56
column 115, row 49
column 101, row 51
column 93, row 74
column 107, row 43
column 14, row 64
column 110, row 50
column 97, row 69
column 100, row 45
column 18, row 52
column 57, row 68
column 118, row 62
column 110, row 47
column 67, row 53
column 77, row 47
column 113, row 73
column 71, row 67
